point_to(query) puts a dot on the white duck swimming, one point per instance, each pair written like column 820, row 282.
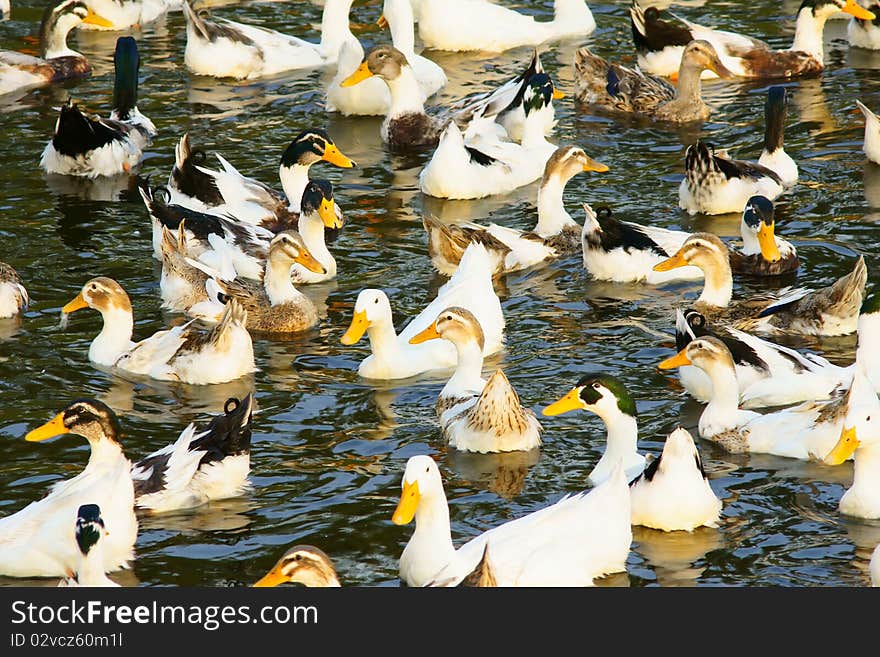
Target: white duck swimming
column 569, row 543
column 372, row 97
column 183, row 353
column 393, row 357
column 39, row 540
column 227, row 49
column 808, row 431
column 91, row 146
column 555, row 235
column 125, row 14
column 13, row 295
column 90, row 534
column 872, row 133
column 481, row 25
column 865, row 33
column 478, row 415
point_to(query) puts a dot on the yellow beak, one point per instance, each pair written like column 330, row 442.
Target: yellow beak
column 382, row 22
column 592, row 165
column 859, row 12
column 362, row 73
column 557, row 95
column 409, row 502
column 52, row 428
column 78, row 303
column 845, row 447
column 307, row 260
column 678, row 360
column 273, row 578
column 93, row 19
column 429, row 333
column 357, row 328
column 676, row 261
column 334, row 156
column 570, row 402
column 767, row 240
column 327, row 212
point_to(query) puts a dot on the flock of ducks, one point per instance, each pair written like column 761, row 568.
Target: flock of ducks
column 234, row 251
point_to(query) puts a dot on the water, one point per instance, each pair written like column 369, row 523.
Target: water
column 329, row 448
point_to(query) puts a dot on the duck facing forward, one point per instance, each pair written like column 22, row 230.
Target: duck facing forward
column 302, row 564
column 91, row 146
column 625, row 90
column 90, row 533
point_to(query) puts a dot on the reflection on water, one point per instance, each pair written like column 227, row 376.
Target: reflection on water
column 329, row 447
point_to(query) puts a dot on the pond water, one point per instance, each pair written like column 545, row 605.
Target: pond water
column 329, row 448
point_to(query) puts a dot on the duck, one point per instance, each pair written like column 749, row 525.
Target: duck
column 203, row 464
column 555, row 235
column 673, row 492
column 372, row 97
column 182, row 283
column 273, row 305
column 768, row 374
column 483, row 164
column 616, row 88
column 247, row 200
column 831, row 310
column 90, row 532
column 125, row 14
column 14, row 297
column 865, row 33
column 183, row 353
column 763, row 253
column 461, row 25
column 570, row 543
column 874, row 567
column 57, row 61
column 228, row 49
column 807, row 432
column 90, row 146
column 478, row 415
column 607, row 396
column 393, row 356
column 658, row 41
column 39, row 540
column 872, row 133
column 302, row 564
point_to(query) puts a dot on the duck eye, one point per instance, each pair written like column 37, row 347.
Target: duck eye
column 376, row 300
column 427, row 469
column 868, row 419
column 298, row 557
column 596, row 385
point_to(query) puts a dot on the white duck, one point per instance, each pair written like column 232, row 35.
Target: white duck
column 125, row 14
column 478, row 415
column 13, row 295
column 865, row 33
column 372, row 97
column 90, row 534
column 183, row 353
column 393, row 357
column 228, row 49
column 872, row 133
column 570, row 543
column 39, row 540
column 481, row 25
column 555, row 235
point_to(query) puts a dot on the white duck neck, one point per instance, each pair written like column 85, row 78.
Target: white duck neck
column 865, row 468
column 622, row 442
column 808, row 34
column 383, row 339
column 91, row 566
column 718, row 286
column 468, row 375
column 114, row 338
column 334, row 26
column 406, row 96
column 55, row 40
column 293, row 181
column 552, row 217
column 533, row 131
column 403, row 34
column 276, row 281
column 724, row 404
column 432, row 525
column 311, row 229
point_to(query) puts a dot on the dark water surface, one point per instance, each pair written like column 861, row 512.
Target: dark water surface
column 329, row 448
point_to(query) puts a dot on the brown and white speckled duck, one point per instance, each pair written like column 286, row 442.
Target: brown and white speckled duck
column 13, row 295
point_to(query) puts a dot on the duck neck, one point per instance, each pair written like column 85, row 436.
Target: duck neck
column 311, row 229
column 866, row 466
column 533, row 130
column 334, row 26
column 293, row 181
column 725, row 394
column 689, row 85
column 406, row 98
column 718, row 286
column 808, row 33
column 552, row 217
column 276, row 281
column 91, row 566
column 468, row 375
column 621, row 443
column 114, row 338
column 403, row 34
column 383, row 338
column 53, row 40
column 432, row 525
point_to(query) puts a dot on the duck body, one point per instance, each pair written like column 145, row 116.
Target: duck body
column 459, row 25
column 864, row 33
column 872, row 133
column 13, row 295
column 394, row 357
column 125, row 14
column 206, row 464
column 39, row 540
column 90, row 532
column 228, row 49
column 90, row 146
column 569, row 543
column 673, row 493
